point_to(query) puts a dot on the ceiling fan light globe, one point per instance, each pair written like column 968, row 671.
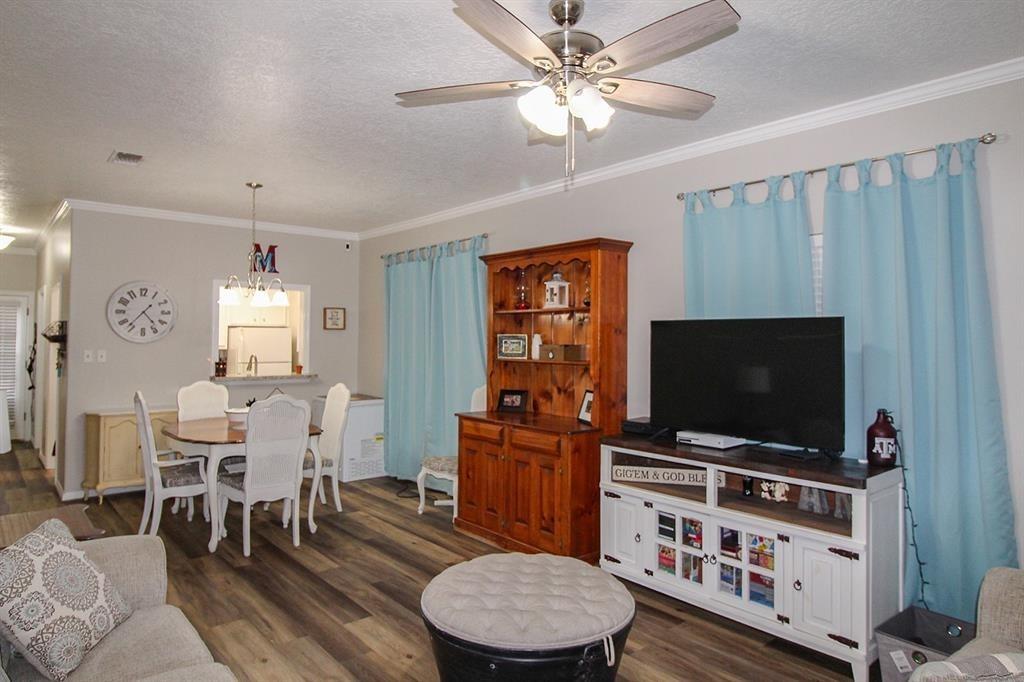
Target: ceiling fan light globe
column 584, row 99
column 555, row 121
column 536, row 104
column 599, row 117
column 5, row 241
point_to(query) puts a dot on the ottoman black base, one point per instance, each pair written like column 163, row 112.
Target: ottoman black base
column 462, row 661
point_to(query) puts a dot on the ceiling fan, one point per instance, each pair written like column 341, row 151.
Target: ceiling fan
column 576, row 72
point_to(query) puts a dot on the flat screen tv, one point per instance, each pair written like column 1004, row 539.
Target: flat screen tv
column 773, row 380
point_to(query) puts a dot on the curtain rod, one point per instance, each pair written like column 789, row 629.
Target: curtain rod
column 451, row 241
column 987, row 138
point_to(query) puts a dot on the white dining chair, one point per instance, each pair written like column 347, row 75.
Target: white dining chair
column 202, row 400
column 165, row 478
column 331, row 440
column 277, row 431
column 447, row 468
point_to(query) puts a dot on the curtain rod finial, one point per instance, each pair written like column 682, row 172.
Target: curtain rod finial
column 988, row 138
column 681, row 196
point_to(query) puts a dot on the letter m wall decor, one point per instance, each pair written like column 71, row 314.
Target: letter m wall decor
column 264, row 263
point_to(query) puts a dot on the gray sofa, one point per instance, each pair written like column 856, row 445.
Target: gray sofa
column 156, row 643
column 1000, row 628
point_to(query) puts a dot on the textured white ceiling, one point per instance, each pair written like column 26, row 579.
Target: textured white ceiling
column 299, row 95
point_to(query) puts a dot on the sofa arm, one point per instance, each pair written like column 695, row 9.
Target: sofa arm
column 136, row 564
column 1001, row 607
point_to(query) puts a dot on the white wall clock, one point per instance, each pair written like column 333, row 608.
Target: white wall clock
column 141, row 312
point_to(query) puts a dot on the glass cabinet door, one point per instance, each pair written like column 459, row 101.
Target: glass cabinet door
column 680, row 556
column 746, row 566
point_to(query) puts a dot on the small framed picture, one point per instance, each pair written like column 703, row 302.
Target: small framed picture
column 513, row 400
column 513, row 347
column 586, row 407
column 334, row 318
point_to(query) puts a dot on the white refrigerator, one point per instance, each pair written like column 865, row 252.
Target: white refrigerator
column 271, row 348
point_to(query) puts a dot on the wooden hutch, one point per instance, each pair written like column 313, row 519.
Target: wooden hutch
column 530, row 481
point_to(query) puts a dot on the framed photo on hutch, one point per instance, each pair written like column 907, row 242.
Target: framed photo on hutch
column 513, row 400
column 334, row 319
column 513, row 347
column 586, row 407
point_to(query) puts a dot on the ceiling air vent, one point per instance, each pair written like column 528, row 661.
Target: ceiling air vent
column 126, row 158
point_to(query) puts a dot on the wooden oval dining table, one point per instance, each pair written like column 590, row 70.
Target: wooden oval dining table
column 224, row 441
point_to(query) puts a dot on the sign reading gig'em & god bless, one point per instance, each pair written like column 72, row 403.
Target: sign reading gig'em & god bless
column 640, row 474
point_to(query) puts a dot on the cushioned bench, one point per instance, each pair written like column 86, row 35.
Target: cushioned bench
column 527, row 616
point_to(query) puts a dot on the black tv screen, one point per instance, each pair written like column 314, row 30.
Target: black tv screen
column 774, row 380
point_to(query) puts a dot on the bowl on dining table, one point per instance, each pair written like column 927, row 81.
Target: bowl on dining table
column 237, row 417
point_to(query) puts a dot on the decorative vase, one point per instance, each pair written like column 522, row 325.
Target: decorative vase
column 881, row 442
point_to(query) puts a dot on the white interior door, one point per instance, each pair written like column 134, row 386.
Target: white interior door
column 15, row 329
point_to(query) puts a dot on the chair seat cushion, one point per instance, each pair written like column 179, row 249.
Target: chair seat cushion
column 527, row 602
column 441, row 465
column 235, row 481
column 55, row 604
column 307, row 462
column 186, row 473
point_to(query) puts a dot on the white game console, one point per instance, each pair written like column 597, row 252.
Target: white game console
column 708, row 440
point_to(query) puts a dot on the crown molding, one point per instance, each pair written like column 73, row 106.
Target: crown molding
column 220, row 221
column 18, row 251
column 983, row 77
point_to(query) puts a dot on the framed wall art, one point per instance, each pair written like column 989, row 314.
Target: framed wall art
column 334, row 319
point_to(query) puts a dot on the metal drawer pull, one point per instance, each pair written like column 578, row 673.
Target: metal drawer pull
column 798, row 586
column 705, row 558
column 637, row 537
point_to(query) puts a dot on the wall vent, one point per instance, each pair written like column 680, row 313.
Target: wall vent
column 125, row 158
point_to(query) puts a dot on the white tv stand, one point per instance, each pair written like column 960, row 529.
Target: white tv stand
column 814, row 579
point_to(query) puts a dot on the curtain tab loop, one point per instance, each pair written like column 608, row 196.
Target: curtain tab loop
column 774, row 183
column 799, row 181
column 833, row 176
column 691, row 202
column 942, row 154
column 864, row 172
column 966, row 150
column 705, row 200
column 896, row 166
column 738, row 198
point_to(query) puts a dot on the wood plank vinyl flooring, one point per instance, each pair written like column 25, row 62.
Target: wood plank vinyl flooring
column 345, row 604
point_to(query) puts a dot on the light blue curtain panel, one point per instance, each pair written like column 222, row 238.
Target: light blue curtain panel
column 749, row 259
column 436, row 300
column 904, row 263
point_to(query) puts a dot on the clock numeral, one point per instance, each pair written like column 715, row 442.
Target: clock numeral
column 123, row 301
column 153, row 329
column 131, row 294
column 163, row 302
column 165, row 312
column 156, row 293
column 142, row 331
column 163, row 322
column 123, row 321
column 119, row 311
column 143, row 291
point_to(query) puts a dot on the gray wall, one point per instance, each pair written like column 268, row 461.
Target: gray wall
column 111, row 249
column 642, row 207
column 53, row 266
column 17, row 272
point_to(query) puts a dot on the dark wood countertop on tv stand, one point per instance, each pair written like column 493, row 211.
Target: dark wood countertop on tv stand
column 846, row 472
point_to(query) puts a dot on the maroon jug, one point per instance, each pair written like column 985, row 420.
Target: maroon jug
column 882, row 441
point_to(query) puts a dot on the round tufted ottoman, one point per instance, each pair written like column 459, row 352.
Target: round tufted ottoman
column 531, row 617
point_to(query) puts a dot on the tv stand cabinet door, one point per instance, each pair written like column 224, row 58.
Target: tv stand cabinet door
column 622, row 531
column 820, row 589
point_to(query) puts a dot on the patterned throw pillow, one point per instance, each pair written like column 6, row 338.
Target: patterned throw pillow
column 55, row 605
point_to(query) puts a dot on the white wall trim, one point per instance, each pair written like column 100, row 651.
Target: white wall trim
column 220, row 221
column 986, row 76
column 18, row 251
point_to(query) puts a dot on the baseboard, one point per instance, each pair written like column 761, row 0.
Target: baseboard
column 71, row 495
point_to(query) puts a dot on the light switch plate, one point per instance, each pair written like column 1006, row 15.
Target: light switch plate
column 101, row 356
column 87, row 356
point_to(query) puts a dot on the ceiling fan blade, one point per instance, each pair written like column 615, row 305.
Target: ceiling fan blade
column 491, row 18
column 660, row 97
column 660, row 39
column 459, row 93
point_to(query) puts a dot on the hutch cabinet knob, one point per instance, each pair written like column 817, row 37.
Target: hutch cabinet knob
column 798, row 586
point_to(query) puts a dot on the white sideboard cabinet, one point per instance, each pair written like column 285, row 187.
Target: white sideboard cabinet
column 692, row 523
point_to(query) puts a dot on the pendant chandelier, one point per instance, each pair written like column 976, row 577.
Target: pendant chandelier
column 260, row 294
